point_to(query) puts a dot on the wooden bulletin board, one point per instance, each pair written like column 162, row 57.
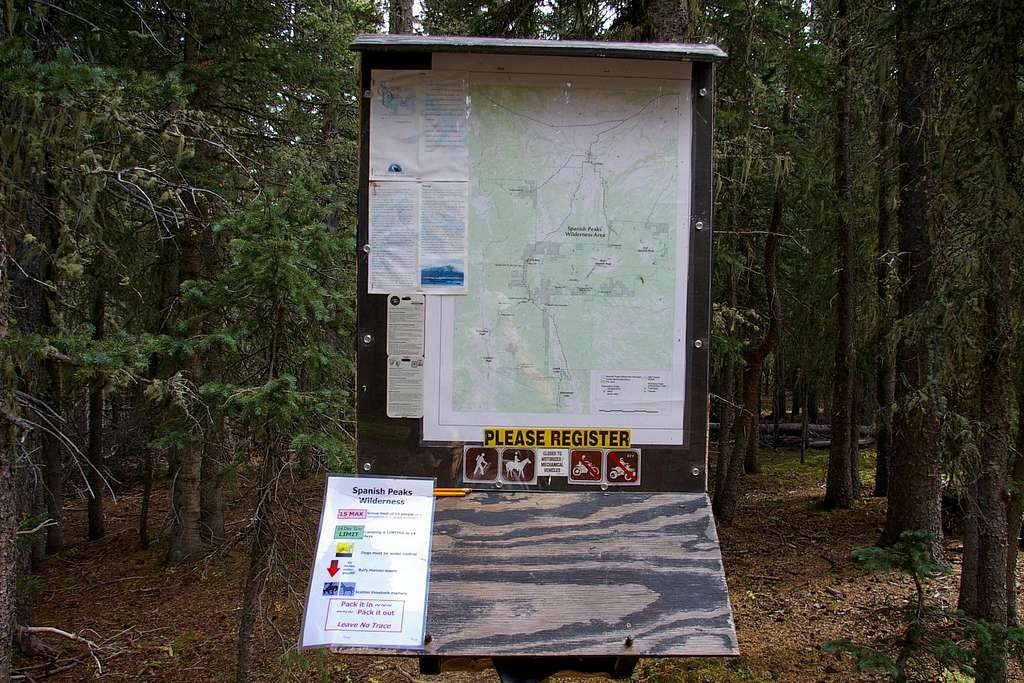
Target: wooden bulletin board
column 550, row 566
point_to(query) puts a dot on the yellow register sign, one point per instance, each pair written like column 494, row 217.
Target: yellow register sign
column 543, row 437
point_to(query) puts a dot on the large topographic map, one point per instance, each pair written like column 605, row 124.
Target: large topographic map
column 574, row 203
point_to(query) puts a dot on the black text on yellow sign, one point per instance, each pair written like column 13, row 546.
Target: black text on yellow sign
column 542, row 437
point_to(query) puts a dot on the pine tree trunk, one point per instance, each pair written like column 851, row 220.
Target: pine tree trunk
column 1015, row 508
column 94, row 454
column 8, row 496
column 988, row 595
column 839, row 484
column 915, row 484
column 856, row 408
column 400, row 16
column 751, row 456
column 779, row 408
column 211, row 501
column 185, row 472
column 186, row 539
column 669, row 20
column 261, row 551
column 885, row 368
column 984, row 591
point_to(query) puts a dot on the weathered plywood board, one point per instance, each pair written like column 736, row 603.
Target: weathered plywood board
column 536, row 574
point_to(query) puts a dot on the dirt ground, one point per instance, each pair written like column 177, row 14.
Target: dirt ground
column 792, row 583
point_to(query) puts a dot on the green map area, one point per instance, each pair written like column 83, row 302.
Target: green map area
column 574, row 195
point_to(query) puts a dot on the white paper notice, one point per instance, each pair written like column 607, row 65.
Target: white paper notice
column 394, row 212
column 418, row 125
column 405, row 325
column 405, row 387
column 443, row 244
column 553, row 462
column 417, row 237
column 371, row 570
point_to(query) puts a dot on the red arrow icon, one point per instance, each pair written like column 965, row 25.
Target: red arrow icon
column 333, row 569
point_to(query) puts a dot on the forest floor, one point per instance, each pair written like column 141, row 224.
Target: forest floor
column 791, row 579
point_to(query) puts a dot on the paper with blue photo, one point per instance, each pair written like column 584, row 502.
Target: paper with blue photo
column 418, row 125
column 443, row 247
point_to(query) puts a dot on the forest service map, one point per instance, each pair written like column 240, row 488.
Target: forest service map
column 574, row 207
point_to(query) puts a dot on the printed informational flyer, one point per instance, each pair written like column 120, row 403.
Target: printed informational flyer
column 418, row 125
column 417, row 237
column 368, row 587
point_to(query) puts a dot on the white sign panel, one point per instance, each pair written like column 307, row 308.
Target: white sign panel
column 578, row 218
column 368, row 587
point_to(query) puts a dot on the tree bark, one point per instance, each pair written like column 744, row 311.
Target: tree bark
column 726, row 434
column 856, row 408
column 400, row 16
column 94, row 453
column 779, row 407
column 186, row 539
column 669, row 20
column 915, row 483
column 986, row 593
column 211, row 501
column 839, row 484
column 260, row 553
column 8, row 492
column 1015, row 508
column 751, row 456
column 885, row 368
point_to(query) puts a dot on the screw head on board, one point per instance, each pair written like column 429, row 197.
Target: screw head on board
column 698, row 343
column 695, row 471
column 700, row 225
column 703, row 92
column 366, row 248
column 366, row 467
column 367, row 338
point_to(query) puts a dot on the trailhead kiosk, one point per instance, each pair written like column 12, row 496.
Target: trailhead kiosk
column 534, row 262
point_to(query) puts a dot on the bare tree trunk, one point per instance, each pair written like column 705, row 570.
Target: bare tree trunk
column 400, row 16
column 94, row 454
column 839, row 485
column 915, row 483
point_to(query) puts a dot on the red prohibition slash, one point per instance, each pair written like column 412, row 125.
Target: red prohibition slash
column 627, row 472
